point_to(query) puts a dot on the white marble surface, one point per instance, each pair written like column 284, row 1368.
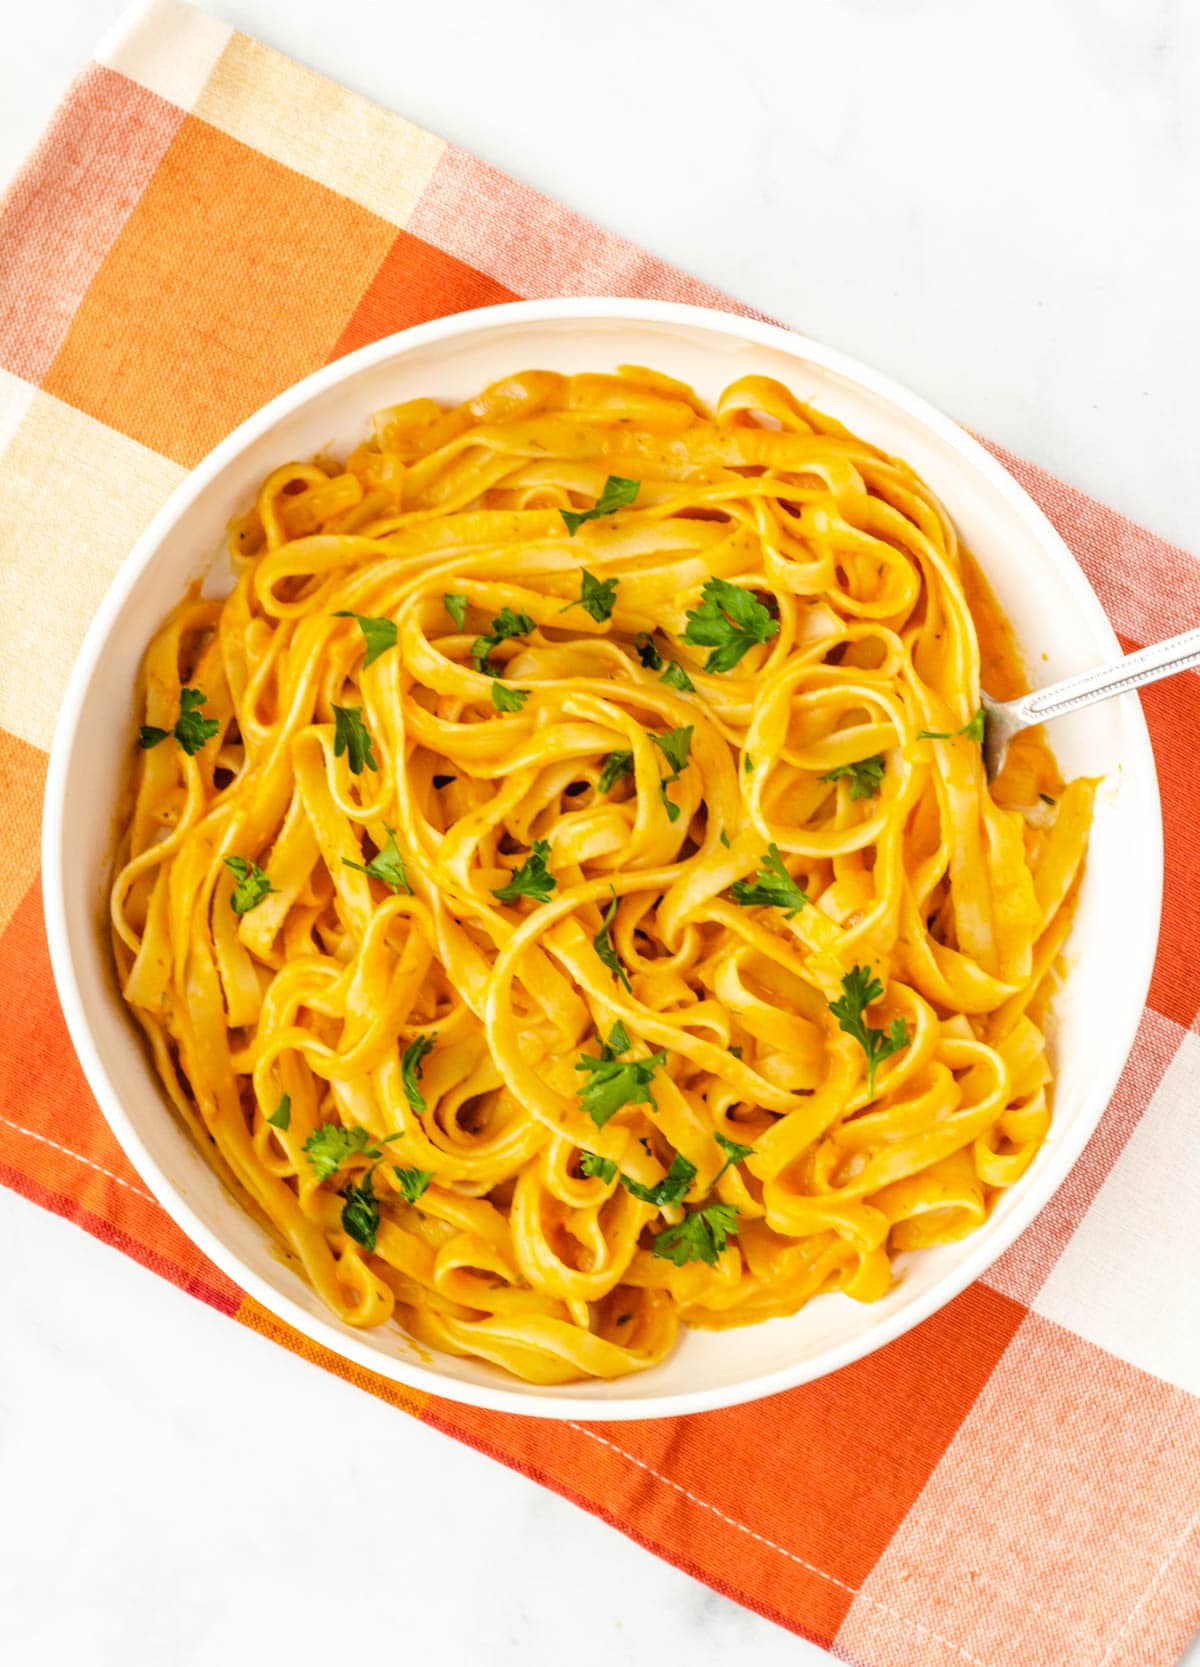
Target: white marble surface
column 995, row 203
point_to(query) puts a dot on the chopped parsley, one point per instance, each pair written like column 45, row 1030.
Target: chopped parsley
column 505, row 699
column 360, row 1212
column 676, row 678
column 456, row 607
column 351, row 736
column 506, row 624
column 605, row 948
column 616, row 765
column 733, row 1152
column 972, row 730
column 670, row 1189
column 281, row 1117
column 866, row 776
column 410, row 1068
column 379, row 634
column 413, row 1182
column 329, row 1146
column 699, row 1237
column 771, row 888
column 387, row 865
column 646, row 651
column 533, row 879
column 675, row 746
column 252, row 885
column 591, row 1163
column 597, row 597
column 859, row 989
column 613, row 1083
column 618, row 493
column 190, row 730
column 729, row 621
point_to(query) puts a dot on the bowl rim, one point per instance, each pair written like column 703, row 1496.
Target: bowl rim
column 1033, row 1196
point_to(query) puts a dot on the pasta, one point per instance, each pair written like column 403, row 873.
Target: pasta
column 560, row 886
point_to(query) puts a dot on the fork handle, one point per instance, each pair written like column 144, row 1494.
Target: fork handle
column 1147, row 665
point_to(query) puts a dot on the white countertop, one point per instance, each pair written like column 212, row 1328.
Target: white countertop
column 997, row 205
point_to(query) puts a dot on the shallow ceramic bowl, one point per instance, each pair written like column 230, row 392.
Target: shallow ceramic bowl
column 1060, row 627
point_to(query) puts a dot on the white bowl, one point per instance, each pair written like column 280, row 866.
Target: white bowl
column 1060, row 627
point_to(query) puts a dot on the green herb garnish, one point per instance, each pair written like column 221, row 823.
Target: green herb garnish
column 771, row 888
column 387, row 865
column 670, row 1189
column 616, row 765
column 866, row 776
column 281, row 1117
column 191, row 730
column 729, row 621
column 699, row 1237
column 351, row 736
column 360, row 1212
column 506, row 624
column 606, row 950
column 613, row 1083
column 410, row 1068
column 646, row 651
column 379, row 634
column 597, row 597
column 972, row 730
column 505, row 699
column 252, row 885
column 591, row 1163
column 456, row 607
column 859, row 989
column 413, row 1182
column 618, row 493
column 329, row 1146
column 733, row 1152
column 533, row 879
column 676, row 678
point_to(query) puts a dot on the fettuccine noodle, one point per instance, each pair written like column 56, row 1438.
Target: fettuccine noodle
column 762, row 1002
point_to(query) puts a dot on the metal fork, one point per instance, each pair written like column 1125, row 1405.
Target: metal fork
column 1004, row 718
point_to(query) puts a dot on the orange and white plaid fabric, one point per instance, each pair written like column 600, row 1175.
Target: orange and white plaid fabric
column 1014, row 1484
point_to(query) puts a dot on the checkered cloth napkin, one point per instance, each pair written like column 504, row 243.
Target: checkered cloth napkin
column 1015, row 1483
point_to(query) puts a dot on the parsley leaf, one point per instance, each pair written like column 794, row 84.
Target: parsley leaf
column 669, row 804
column 508, row 700
column 699, row 1237
column 646, row 651
column 972, row 730
column 616, row 765
column 592, row 1163
column 605, row 948
column 675, row 746
column 597, row 597
column 771, row 888
column 456, row 607
column 676, row 678
column 191, row 730
column 672, row 1186
column 386, row 865
column 733, row 1152
column 533, row 879
column 505, row 624
column 859, row 989
column 410, row 1068
column 617, row 493
column 360, row 1212
column 612, row 1084
column 729, row 620
column 413, row 1182
column 379, row 634
column 329, row 1146
column 281, row 1117
column 866, row 776
column 351, row 736
column 252, row 885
